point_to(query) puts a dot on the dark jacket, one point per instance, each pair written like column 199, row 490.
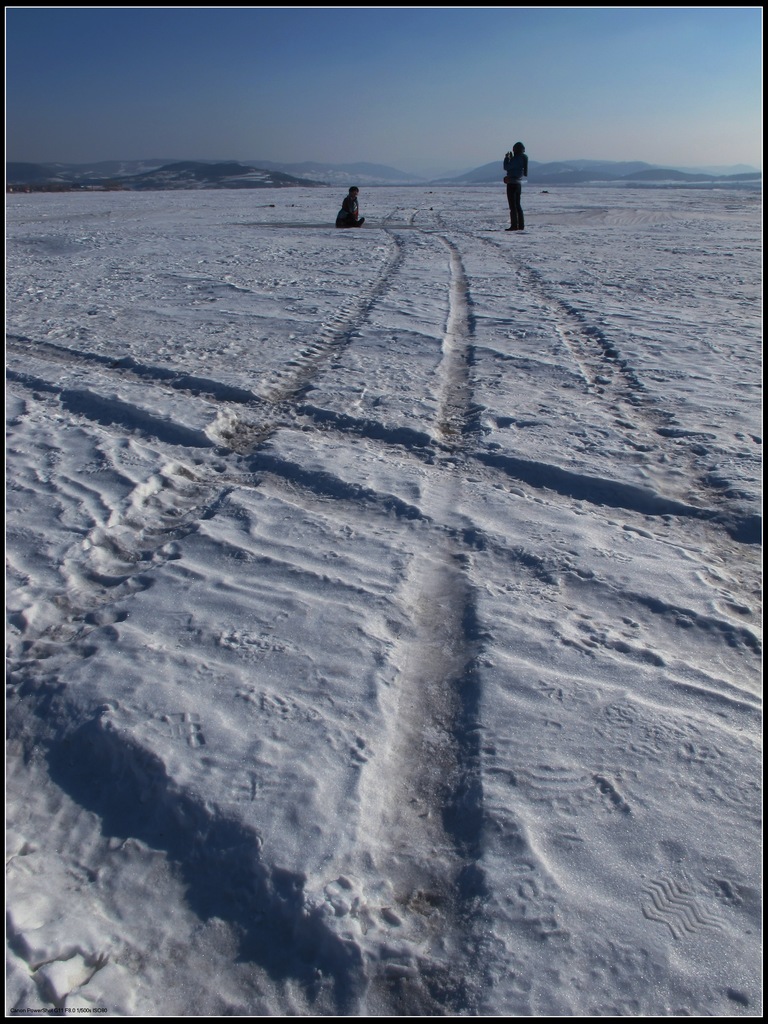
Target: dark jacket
column 348, row 212
column 516, row 167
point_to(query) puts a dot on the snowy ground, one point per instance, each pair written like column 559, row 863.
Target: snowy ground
column 384, row 623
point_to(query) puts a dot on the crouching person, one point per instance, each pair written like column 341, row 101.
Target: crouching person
column 348, row 216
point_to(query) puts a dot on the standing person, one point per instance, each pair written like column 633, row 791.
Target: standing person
column 515, row 169
column 348, row 215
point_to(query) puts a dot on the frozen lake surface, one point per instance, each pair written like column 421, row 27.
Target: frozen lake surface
column 384, row 617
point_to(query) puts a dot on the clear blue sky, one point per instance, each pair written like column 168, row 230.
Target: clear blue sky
column 417, row 88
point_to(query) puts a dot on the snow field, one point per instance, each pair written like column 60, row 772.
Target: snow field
column 384, row 624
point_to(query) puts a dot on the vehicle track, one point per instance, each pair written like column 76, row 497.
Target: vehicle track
column 455, row 393
column 616, row 384
column 428, row 813
column 333, row 336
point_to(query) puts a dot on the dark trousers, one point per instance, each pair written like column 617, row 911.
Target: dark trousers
column 514, row 192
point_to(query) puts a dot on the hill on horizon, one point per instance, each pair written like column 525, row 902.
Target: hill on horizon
column 577, row 172
column 210, row 174
column 141, row 175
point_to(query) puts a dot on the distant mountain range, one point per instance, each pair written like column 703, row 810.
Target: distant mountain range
column 579, row 172
column 143, row 175
column 137, row 175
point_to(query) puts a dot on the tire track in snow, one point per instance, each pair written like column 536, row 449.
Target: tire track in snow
column 644, row 427
column 589, row 347
column 391, row 218
column 454, row 370
column 435, row 896
column 604, row 370
column 245, row 433
column 143, row 534
column 427, row 816
column 334, row 335
column 423, row 799
column 241, row 432
column 430, row 759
